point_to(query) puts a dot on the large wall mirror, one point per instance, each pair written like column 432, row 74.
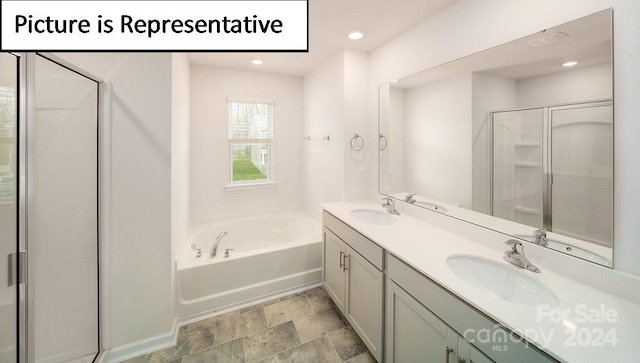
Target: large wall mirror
column 517, row 138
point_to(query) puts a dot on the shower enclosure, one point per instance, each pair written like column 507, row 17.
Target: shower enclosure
column 553, row 169
column 49, row 117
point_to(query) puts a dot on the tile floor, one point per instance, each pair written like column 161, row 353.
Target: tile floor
column 305, row 327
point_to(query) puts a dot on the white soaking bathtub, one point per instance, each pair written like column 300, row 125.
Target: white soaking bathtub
column 271, row 254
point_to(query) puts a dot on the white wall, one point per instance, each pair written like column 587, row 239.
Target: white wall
column 626, row 55
column 323, row 168
column 579, row 85
column 140, row 249
column 180, row 157
column 209, row 143
column 355, row 91
column 392, row 125
column 437, row 117
column 488, row 93
column 467, row 26
column 335, row 106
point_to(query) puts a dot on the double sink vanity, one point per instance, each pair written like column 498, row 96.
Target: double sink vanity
column 418, row 292
column 502, row 166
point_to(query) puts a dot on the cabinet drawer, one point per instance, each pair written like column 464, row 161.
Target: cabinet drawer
column 369, row 250
column 462, row 317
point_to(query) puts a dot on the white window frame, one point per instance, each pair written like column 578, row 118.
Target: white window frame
column 250, row 184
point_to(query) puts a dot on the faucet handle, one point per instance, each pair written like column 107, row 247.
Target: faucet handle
column 409, row 198
column 195, row 248
column 514, row 244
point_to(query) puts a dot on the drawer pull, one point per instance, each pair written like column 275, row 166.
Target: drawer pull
column 460, row 360
column 448, row 351
column 341, row 259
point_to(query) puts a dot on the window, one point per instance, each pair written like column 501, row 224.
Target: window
column 250, row 141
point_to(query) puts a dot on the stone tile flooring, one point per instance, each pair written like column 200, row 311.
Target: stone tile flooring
column 305, row 327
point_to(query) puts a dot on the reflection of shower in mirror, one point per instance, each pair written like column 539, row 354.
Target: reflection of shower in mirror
column 511, row 140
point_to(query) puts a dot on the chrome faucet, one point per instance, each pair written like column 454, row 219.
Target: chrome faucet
column 214, row 247
column 540, row 237
column 516, row 258
column 390, row 204
column 409, row 198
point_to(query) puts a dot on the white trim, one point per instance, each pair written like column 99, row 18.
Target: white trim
column 253, row 185
column 250, row 141
column 144, row 346
column 170, row 339
column 247, row 304
column 105, row 114
column 232, row 99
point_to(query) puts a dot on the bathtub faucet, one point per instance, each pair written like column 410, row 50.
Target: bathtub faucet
column 214, row 247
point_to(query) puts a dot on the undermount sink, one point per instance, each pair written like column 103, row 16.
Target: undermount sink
column 373, row 216
column 501, row 281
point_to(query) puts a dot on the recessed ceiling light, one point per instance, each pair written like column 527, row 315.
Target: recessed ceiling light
column 356, row 35
column 394, row 81
column 569, row 64
column 257, row 61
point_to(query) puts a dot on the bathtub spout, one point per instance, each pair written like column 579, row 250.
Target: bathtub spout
column 214, row 247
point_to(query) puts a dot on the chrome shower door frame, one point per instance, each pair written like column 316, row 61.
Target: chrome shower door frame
column 27, row 293
column 547, row 174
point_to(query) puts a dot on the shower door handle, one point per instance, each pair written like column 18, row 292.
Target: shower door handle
column 11, row 279
column 21, row 277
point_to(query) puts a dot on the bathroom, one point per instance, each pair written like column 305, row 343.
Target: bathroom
column 169, row 161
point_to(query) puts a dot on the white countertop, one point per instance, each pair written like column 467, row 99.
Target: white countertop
column 596, row 326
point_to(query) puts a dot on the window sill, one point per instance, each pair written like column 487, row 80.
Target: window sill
column 244, row 186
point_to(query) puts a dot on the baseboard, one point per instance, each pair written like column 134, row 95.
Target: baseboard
column 169, row 339
column 144, row 346
column 247, row 303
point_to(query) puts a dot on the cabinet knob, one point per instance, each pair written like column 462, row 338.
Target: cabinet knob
column 460, row 360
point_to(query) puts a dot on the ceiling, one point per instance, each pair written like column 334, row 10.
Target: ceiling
column 588, row 40
column 329, row 23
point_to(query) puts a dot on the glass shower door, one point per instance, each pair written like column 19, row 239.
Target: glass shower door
column 62, row 215
column 8, row 207
column 582, row 169
column 518, row 170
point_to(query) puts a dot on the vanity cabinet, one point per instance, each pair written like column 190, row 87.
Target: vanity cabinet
column 425, row 320
column 333, row 275
column 415, row 334
column 353, row 278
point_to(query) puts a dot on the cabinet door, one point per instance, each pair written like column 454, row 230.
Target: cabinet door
column 475, row 356
column 365, row 286
column 333, row 273
column 415, row 334
column 467, row 353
